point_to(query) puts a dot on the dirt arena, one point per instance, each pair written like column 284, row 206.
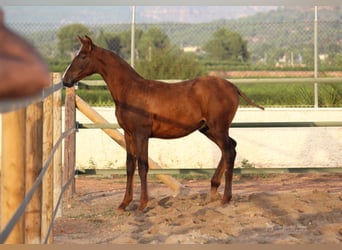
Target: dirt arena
column 283, row 208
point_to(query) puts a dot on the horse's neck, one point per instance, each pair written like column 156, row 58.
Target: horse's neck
column 116, row 72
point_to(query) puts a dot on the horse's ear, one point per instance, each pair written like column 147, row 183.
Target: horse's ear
column 89, row 39
column 89, row 42
column 81, row 40
column 86, row 42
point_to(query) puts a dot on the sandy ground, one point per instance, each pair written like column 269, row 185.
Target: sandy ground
column 283, row 208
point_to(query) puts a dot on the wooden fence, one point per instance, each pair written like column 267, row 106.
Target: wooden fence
column 32, row 185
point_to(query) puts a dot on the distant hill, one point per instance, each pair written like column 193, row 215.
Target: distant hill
column 196, row 14
column 301, row 13
column 284, row 26
column 123, row 14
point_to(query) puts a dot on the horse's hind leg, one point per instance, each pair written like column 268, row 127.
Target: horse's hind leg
column 226, row 164
column 227, row 195
column 142, row 156
column 216, row 180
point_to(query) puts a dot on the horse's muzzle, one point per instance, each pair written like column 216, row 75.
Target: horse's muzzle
column 68, row 84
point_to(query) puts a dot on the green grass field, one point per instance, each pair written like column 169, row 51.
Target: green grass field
column 293, row 95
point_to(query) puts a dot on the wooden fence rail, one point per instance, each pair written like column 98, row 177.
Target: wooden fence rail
column 30, row 191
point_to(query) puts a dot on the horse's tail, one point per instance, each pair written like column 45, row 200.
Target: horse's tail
column 249, row 101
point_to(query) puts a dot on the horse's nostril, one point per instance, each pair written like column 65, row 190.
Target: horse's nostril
column 67, row 83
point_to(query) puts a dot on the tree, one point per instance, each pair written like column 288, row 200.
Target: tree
column 120, row 42
column 67, row 38
column 114, row 43
column 101, row 39
column 227, row 45
column 170, row 64
column 159, row 59
column 337, row 59
column 154, row 39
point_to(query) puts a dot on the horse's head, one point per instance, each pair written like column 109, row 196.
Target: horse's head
column 82, row 65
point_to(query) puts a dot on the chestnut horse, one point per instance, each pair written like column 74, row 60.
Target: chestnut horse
column 149, row 108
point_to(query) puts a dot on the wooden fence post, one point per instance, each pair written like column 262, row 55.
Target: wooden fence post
column 47, row 195
column 57, row 132
column 13, row 171
column 70, row 141
column 34, row 154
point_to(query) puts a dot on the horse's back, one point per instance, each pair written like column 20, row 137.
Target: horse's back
column 206, row 92
column 215, row 88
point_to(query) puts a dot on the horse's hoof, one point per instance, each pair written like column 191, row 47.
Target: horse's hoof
column 214, row 197
column 211, row 198
column 119, row 211
column 141, row 208
column 226, row 200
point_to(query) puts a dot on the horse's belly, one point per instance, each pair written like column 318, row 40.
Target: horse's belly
column 171, row 130
column 170, row 134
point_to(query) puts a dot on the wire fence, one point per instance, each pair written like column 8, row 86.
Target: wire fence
column 288, row 43
column 278, row 49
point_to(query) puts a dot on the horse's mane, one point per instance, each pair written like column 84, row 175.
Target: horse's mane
column 119, row 60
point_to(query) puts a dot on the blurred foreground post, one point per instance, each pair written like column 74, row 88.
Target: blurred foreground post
column 13, row 171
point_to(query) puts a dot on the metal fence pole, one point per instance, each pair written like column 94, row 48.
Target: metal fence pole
column 315, row 59
column 133, row 38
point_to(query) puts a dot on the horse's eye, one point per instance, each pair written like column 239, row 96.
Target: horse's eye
column 83, row 56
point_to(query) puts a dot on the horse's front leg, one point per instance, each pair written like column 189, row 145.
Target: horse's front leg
column 142, row 149
column 130, row 169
